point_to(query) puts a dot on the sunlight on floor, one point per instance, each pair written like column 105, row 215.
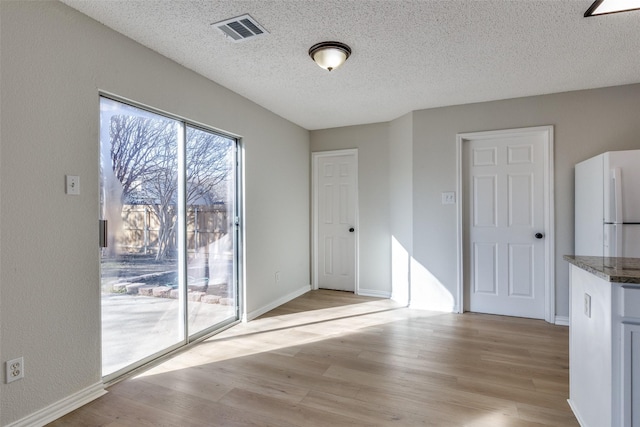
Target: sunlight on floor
column 495, row 419
column 285, row 333
column 334, row 358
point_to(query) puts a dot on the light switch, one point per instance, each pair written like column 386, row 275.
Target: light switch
column 448, row 197
column 73, row 185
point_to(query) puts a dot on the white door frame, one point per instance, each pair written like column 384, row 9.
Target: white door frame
column 550, row 288
column 315, row 156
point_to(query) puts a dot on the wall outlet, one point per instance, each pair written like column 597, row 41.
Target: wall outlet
column 587, row 305
column 15, row 370
column 277, row 276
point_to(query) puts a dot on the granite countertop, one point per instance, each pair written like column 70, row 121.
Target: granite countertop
column 615, row 270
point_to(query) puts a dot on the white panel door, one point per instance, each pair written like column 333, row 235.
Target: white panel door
column 336, row 197
column 505, row 258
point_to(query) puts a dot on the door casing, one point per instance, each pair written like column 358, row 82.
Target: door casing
column 549, row 275
column 314, row 213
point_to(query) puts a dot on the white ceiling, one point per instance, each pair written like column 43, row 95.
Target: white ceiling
column 407, row 54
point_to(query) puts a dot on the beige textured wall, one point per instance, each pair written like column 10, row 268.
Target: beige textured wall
column 54, row 63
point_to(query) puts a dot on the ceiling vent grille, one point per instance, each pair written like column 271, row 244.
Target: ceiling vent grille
column 241, row 28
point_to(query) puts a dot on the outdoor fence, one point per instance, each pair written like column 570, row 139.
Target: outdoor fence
column 141, row 228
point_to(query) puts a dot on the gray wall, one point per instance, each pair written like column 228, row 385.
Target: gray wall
column 401, row 205
column 373, row 196
column 54, row 63
column 422, row 164
column 586, row 123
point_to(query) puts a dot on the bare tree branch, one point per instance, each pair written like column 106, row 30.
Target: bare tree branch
column 144, row 157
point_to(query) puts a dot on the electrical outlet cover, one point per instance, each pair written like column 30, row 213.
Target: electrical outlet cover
column 448, row 198
column 73, row 185
column 15, row 369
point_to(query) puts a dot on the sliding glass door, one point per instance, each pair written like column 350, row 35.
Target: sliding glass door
column 168, row 222
column 211, row 221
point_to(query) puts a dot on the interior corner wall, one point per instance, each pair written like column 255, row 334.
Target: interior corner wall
column 586, row 123
column 401, row 206
column 374, row 272
column 54, row 63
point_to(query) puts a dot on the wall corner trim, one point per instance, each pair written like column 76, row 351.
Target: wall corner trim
column 262, row 310
column 61, row 407
column 562, row 321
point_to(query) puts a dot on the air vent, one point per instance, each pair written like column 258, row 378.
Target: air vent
column 241, row 28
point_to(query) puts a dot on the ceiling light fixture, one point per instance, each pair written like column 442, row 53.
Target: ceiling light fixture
column 604, row 7
column 329, row 55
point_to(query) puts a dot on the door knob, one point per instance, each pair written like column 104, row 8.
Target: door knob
column 351, row 230
column 539, row 235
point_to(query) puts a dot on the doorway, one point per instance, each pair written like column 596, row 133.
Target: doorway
column 169, row 234
column 335, row 220
column 505, row 222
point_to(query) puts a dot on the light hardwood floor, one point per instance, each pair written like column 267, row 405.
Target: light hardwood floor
column 335, row 359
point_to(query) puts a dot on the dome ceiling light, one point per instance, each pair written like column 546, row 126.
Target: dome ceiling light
column 329, row 55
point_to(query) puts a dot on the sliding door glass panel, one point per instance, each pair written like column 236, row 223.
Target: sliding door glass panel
column 142, row 295
column 211, row 246
column 168, row 192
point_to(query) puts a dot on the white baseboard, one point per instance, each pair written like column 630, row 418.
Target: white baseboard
column 400, row 299
column 259, row 312
column 374, row 293
column 562, row 320
column 61, row 407
column 433, row 307
column 575, row 413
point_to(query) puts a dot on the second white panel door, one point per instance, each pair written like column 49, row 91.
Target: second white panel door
column 505, row 250
column 336, row 187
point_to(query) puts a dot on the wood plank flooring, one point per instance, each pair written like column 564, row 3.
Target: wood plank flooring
column 334, row 359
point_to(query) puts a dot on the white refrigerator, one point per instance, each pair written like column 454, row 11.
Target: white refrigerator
column 607, row 205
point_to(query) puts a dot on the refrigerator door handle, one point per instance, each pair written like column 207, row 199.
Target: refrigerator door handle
column 617, row 194
column 618, row 230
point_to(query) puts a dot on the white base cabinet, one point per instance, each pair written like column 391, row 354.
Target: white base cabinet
column 604, row 351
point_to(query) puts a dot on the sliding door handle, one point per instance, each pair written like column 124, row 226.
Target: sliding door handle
column 102, row 226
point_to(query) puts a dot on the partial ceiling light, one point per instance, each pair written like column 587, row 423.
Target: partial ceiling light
column 604, row 7
column 329, row 55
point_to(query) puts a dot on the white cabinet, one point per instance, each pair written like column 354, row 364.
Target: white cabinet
column 604, row 351
column 590, row 350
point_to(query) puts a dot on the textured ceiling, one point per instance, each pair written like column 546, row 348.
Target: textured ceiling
column 407, row 55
